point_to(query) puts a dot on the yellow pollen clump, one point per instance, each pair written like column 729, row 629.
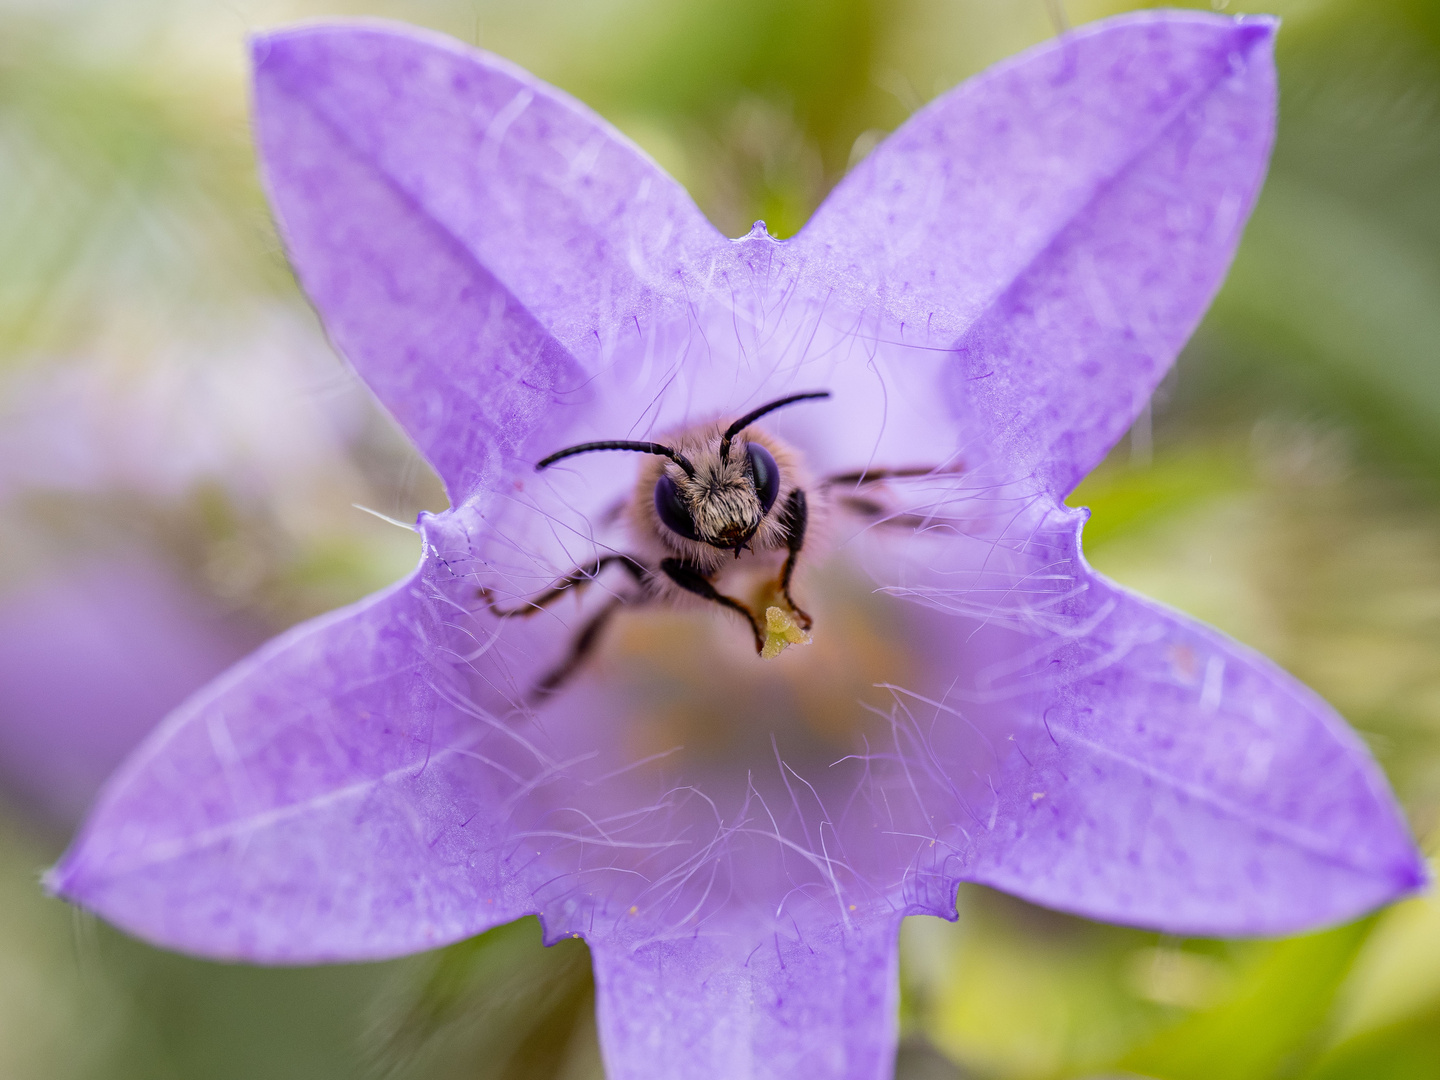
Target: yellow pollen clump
column 781, row 631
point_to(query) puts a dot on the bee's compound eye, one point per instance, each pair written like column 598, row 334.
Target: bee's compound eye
column 766, row 474
column 672, row 509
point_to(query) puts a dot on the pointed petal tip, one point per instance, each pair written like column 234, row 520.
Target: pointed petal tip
column 65, row 880
column 1417, row 875
column 1258, row 27
column 1407, row 877
column 1256, row 33
column 265, row 44
column 759, row 233
column 1249, row 31
column 259, row 44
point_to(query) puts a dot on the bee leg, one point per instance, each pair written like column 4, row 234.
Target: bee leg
column 880, row 515
column 580, row 648
column 874, row 476
column 874, row 509
column 795, row 517
column 576, row 579
column 693, row 581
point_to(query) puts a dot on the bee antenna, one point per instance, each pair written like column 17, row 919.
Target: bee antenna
column 755, row 414
column 620, row 444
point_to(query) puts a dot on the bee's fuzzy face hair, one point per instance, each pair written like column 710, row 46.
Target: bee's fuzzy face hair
column 722, row 498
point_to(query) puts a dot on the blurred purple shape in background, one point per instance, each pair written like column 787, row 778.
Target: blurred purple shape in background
column 92, row 656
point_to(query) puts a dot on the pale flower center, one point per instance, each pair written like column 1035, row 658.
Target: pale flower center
column 689, row 677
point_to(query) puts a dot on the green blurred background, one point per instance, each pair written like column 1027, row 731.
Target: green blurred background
column 167, row 398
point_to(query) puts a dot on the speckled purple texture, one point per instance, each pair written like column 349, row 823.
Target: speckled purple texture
column 993, row 293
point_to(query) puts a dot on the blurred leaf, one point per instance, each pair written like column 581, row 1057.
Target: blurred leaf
column 193, row 1018
column 917, row 1059
column 1326, row 287
column 697, row 59
column 1124, row 499
column 1397, row 974
column 1012, row 990
column 81, row 1001
column 767, row 97
column 1268, row 1024
column 126, row 198
column 1330, row 310
column 1405, row 1051
column 335, row 570
column 494, row 1007
column 56, row 1021
column 1424, row 16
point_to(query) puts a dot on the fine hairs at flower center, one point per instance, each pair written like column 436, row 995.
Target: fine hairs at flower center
column 710, row 495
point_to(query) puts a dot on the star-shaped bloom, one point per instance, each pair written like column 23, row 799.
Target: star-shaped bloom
column 989, row 299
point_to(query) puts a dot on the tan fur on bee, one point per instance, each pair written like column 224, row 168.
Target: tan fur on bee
column 722, row 498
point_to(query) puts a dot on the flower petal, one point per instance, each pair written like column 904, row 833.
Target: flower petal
column 822, row 1007
column 1063, row 221
column 309, row 805
column 1182, row 781
column 466, row 231
column 1135, row 765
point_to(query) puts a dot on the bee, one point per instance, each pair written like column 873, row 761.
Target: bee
column 718, row 500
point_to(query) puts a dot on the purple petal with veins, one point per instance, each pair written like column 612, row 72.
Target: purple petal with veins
column 989, row 298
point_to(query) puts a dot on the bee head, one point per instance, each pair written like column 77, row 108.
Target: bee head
column 725, row 500
column 719, row 498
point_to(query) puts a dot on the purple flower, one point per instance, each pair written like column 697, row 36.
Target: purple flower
column 92, row 654
column 989, row 299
